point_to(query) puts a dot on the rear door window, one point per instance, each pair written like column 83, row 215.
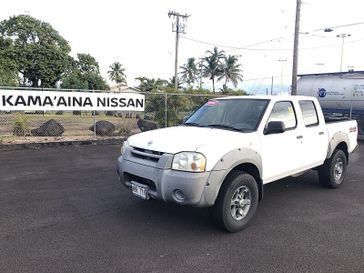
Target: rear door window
column 309, row 113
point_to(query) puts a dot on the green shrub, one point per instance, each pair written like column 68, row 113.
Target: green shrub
column 20, row 125
column 123, row 131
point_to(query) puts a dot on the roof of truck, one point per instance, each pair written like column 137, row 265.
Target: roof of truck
column 275, row 98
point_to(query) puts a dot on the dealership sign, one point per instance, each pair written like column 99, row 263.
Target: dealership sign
column 19, row 100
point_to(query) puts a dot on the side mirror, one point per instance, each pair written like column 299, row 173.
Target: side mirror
column 274, row 127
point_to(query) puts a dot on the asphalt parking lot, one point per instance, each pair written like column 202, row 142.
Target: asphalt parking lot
column 63, row 210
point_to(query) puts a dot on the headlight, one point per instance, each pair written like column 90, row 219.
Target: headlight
column 189, row 161
column 125, row 145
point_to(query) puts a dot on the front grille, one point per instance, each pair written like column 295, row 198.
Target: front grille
column 131, row 177
column 146, row 154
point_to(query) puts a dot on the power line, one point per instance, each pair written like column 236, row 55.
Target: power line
column 339, row 26
column 264, row 78
column 247, row 47
column 332, row 45
column 232, row 48
column 321, row 36
column 267, row 49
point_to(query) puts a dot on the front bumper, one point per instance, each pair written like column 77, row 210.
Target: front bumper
column 184, row 188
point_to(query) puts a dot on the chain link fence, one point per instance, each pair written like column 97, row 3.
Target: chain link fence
column 161, row 110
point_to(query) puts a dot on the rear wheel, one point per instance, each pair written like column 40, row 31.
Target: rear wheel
column 236, row 203
column 332, row 173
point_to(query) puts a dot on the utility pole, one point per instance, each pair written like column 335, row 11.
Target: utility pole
column 177, row 27
column 342, row 36
column 201, row 70
column 295, row 48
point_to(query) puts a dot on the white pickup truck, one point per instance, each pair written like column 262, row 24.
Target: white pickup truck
column 222, row 156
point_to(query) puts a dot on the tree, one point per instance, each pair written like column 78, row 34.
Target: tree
column 171, row 83
column 150, row 84
column 83, row 73
column 39, row 52
column 95, row 82
column 8, row 67
column 74, row 81
column 231, row 71
column 212, row 66
column 87, row 64
column 225, row 89
column 116, row 73
column 176, row 105
column 189, row 72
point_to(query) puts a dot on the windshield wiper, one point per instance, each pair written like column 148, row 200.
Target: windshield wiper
column 224, row 126
column 193, row 124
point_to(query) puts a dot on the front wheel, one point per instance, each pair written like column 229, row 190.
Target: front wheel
column 236, row 203
column 332, row 173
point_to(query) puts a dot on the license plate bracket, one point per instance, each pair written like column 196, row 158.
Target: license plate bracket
column 140, row 190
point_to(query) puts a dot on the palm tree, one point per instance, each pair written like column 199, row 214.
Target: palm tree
column 212, row 66
column 231, row 70
column 189, row 72
column 116, row 73
column 225, row 89
column 171, row 83
column 150, row 84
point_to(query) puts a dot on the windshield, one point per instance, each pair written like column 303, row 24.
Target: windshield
column 229, row 114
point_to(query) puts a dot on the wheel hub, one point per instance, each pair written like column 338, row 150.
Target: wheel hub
column 240, row 203
column 338, row 169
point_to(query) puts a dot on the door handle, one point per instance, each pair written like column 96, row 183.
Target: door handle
column 321, row 133
column 299, row 137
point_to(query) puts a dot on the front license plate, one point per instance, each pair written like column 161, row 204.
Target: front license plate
column 139, row 190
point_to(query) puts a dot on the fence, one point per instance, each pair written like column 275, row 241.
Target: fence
column 164, row 109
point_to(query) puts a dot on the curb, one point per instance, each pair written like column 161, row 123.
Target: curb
column 110, row 141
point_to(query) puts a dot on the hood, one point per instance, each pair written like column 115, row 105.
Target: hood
column 183, row 138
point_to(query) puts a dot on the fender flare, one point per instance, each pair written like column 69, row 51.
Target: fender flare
column 336, row 139
column 226, row 164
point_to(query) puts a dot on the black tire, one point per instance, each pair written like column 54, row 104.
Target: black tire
column 329, row 173
column 222, row 212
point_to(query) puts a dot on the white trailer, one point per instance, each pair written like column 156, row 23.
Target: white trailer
column 340, row 94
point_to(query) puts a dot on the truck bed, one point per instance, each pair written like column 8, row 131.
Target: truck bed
column 335, row 119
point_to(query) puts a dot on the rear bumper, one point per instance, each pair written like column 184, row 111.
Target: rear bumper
column 184, row 188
